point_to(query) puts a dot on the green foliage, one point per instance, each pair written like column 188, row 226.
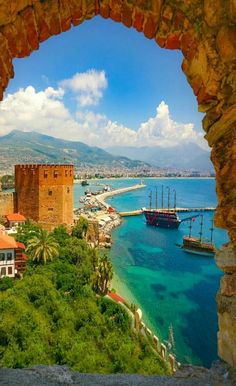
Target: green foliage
column 26, row 231
column 60, row 235
column 53, row 316
column 42, row 247
column 5, row 283
column 103, row 275
column 80, row 229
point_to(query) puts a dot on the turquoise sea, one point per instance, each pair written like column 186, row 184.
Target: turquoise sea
column 171, row 286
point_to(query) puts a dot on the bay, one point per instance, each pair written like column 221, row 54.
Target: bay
column 171, row 286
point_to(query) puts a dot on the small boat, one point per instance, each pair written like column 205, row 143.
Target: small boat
column 84, row 183
column 196, row 245
column 82, row 199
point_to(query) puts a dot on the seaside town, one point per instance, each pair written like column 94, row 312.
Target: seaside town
column 43, row 196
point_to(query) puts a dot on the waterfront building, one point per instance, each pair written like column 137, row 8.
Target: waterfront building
column 44, row 193
column 15, row 219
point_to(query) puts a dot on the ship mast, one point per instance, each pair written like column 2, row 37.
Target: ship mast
column 190, row 227
column 150, row 197
column 162, row 197
column 201, row 225
column 168, row 198
column 212, row 229
column 174, row 199
column 156, row 197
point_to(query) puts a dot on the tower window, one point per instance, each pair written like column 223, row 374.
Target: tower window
column 68, row 190
column 49, row 192
column 45, row 174
column 50, row 209
column 66, row 173
column 55, row 174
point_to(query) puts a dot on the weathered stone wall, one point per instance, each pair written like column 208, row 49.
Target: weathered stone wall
column 44, row 193
column 6, row 203
column 205, row 32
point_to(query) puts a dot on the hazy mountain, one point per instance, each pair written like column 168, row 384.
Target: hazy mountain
column 188, row 156
column 21, row 147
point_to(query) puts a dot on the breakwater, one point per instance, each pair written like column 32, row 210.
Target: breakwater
column 103, row 196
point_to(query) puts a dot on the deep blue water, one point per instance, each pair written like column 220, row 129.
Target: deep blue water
column 168, row 284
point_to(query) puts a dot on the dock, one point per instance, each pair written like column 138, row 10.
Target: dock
column 180, row 210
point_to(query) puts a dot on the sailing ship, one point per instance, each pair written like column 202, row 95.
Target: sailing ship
column 161, row 217
column 197, row 245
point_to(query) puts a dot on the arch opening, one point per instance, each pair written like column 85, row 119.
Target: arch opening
column 206, row 34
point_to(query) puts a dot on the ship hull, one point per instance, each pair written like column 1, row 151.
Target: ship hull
column 200, row 253
column 162, row 220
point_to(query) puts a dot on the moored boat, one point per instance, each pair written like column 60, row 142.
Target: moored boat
column 196, row 245
column 84, row 183
column 160, row 217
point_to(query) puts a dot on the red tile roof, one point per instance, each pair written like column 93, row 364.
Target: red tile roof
column 15, row 217
column 7, row 242
column 116, row 297
column 20, row 245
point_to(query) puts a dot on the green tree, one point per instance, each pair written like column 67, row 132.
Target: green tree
column 81, row 228
column 26, row 231
column 61, row 235
column 103, row 275
column 42, row 247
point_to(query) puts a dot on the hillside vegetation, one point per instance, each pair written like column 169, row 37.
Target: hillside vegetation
column 19, row 147
column 54, row 316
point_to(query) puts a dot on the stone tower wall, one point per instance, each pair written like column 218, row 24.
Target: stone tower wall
column 7, row 203
column 44, row 193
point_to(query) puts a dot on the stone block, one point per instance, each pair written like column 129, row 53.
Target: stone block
column 226, row 43
column 213, row 12
column 227, row 338
column 30, row 26
column 150, row 26
column 226, row 258
column 138, row 19
column 126, row 17
column 228, row 285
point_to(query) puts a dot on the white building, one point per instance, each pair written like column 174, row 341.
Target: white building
column 8, row 247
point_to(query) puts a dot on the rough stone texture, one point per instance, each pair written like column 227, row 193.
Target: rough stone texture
column 60, row 375
column 44, row 193
column 205, row 32
column 7, row 203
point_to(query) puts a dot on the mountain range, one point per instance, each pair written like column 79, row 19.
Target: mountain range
column 31, row 147
column 184, row 157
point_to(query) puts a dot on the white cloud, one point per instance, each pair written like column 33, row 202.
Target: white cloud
column 162, row 130
column 46, row 113
column 87, row 86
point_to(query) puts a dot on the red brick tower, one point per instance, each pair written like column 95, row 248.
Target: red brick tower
column 44, row 193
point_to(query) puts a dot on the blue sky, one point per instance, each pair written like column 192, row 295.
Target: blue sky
column 131, row 77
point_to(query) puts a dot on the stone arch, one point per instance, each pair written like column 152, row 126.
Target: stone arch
column 205, row 32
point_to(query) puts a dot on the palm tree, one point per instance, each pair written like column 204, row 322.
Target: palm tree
column 104, row 274
column 42, row 247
